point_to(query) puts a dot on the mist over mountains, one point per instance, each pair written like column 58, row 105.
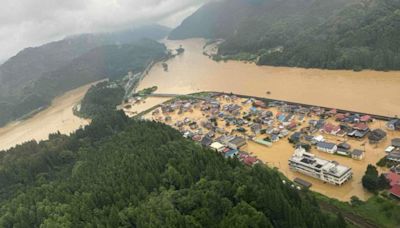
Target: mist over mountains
column 33, row 77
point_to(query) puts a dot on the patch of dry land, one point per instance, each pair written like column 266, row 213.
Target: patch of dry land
column 180, row 113
column 57, row 117
column 367, row 91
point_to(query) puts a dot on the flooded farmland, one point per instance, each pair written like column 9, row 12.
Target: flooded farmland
column 57, row 117
column 367, row 91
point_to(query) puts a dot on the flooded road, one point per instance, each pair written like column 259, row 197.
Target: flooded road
column 367, row 91
column 135, row 108
column 58, row 117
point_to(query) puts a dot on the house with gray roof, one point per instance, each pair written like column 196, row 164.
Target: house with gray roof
column 327, row 147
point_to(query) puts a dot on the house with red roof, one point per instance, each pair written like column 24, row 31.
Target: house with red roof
column 394, row 179
column 250, row 160
column 340, row 117
column 360, row 127
column 332, row 112
column 331, row 129
column 366, row 118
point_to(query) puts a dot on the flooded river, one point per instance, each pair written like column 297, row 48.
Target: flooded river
column 58, row 117
column 366, row 91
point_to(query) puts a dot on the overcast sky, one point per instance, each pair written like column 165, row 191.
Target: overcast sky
column 25, row 23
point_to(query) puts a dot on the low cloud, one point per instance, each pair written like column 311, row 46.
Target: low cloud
column 26, row 23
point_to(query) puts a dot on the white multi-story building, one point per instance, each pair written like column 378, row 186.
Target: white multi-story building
column 327, row 171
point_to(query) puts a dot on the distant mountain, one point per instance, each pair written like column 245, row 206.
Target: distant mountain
column 333, row 34
column 110, row 61
column 31, row 63
column 32, row 78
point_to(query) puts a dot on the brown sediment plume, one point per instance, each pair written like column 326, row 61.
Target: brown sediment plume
column 367, row 91
column 57, row 117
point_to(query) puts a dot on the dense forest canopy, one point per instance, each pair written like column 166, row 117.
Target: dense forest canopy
column 333, row 34
column 127, row 173
column 100, row 99
column 109, row 61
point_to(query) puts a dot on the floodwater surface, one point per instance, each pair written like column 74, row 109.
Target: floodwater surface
column 279, row 153
column 367, row 91
column 57, row 117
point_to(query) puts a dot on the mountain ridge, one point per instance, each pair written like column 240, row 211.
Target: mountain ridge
column 328, row 34
column 86, row 60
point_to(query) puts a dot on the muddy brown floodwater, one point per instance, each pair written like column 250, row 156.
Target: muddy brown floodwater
column 58, row 117
column 278, row 155
column 367, row 91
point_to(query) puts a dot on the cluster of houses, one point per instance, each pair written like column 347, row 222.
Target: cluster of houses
column 226, row 123
column 343, row 148
column 206, row 130
column 230, row 146
column 393, row 151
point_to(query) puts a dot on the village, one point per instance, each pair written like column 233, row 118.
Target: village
column 321, row 149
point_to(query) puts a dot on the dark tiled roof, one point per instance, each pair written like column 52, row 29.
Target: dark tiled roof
column 396, row 142
column 326, row 145
column 238, row 141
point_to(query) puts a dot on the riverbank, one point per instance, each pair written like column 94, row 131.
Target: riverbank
column 58, row 116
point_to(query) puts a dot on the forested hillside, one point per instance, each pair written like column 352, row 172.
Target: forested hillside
column 333, row 34
column 110, row 61
column 31, row 63
column 126, row 173
column 100, row 99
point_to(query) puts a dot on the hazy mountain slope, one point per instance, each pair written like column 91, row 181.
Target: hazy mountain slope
column 333, row 34
column 110, row 61
column 31, row 63
column 216, row 19
column 240, row 19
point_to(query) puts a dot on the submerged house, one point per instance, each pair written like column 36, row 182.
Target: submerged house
column 360, row 130
column 343, row 149
column 340, row 117
column 357, row 154
column 376, row 136
column 393, row 124
column 394, row 179
column 217, row 146
column 396, row 143
column 327, row 147
column 331, row 129
column 249, row 160
column 295, row 137
column 366, row 118
column 206, row 141
column 256, row 128
column 236, row 142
